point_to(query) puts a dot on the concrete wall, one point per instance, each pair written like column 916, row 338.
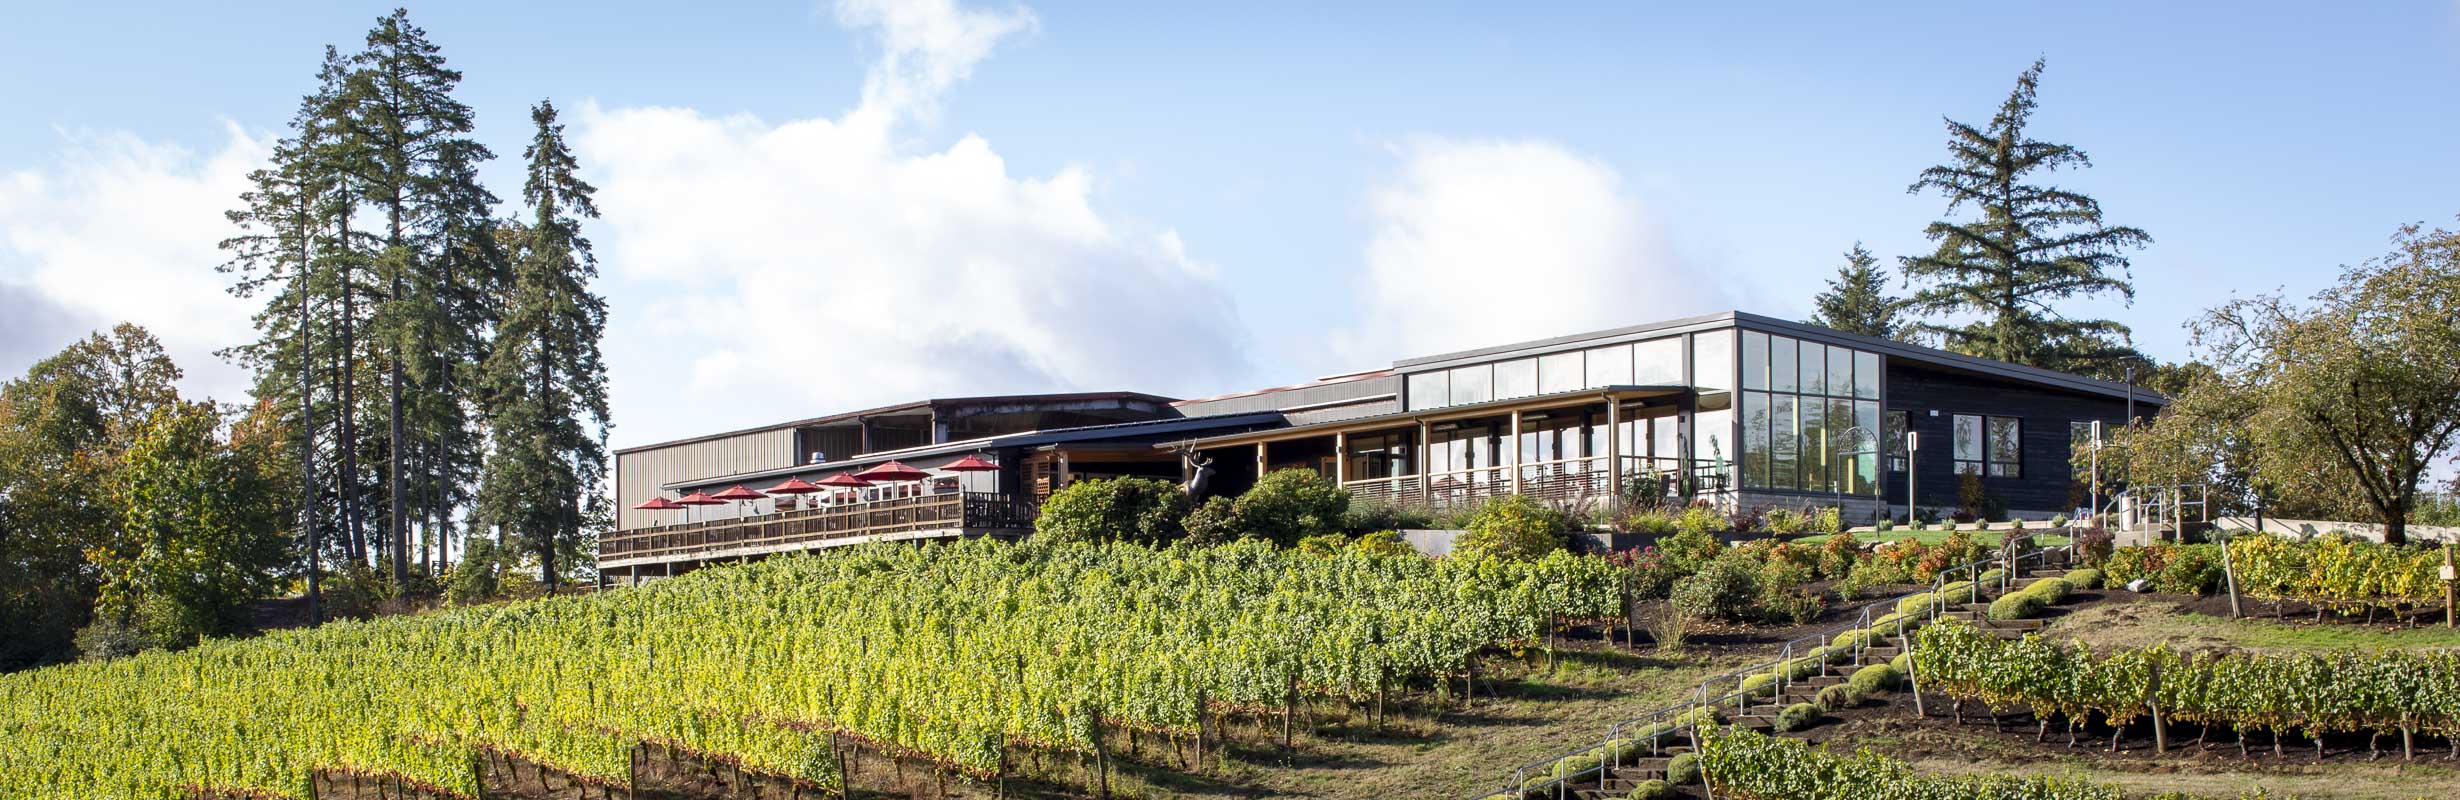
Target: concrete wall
column 2311, row 527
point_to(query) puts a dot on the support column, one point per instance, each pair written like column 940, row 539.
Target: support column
column 1425, row 481
column 1341, row 457
column 1614, row 453
column 1512, row 446
column 1261, row 462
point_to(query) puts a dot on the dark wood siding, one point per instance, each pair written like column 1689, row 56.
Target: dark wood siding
column 2045, row 413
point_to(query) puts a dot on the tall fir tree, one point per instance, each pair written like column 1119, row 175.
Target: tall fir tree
column 546, row 380
column 420, row 177
column 2031, row 246
column 1857, row 299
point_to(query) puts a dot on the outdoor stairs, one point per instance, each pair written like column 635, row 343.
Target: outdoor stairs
column 1761, row 714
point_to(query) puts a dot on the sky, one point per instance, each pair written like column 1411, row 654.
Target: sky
column 818, row 206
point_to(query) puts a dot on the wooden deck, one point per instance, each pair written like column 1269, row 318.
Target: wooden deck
column 948, row 515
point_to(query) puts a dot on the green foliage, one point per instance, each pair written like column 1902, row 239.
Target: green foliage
column 1876, row 678
column 1651, row 789
column 1324, row 544
column 2002, row 274
column 65, row 429
column 1683, row 769
column 1745, row 763
column 1857, row 299
column 1513, row 528
column 201, row 532
column 1652, row 522
column 1702, row 520
column 479, row 576
column 1689, row 549
column 2336, row 569
column 964, row 655
column 1797, row 717
column 1291, row 504
column 2087, row 578
column 1141, row 510
column 1214, row 521
column 2172, row 568
column 1838, row 697
column 1383, row 543
column 546, row 405
column 2340, row 691
column 2015, row 605
column 1724, row 589
column 2052, row 591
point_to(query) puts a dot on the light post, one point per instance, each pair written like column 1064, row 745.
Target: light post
column 1913, row 451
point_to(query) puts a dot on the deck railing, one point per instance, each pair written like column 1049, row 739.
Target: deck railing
column 953, row 510
column 1569, row 481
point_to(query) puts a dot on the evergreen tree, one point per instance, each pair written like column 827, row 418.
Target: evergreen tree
column 1857, row 298
column 419, row 174
column 546, row 381
column 2031, row 246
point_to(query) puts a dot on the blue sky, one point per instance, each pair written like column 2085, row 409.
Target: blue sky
column 1195, row 200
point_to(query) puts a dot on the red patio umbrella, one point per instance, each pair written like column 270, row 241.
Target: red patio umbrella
column 795, row 486
column 892, row 472
column 740, row 495
column 697, row 499
column 659, row 504
column 971, row 463
column 844, row 481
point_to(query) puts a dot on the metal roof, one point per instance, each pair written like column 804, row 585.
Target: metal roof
column 1151, row 427
column 909, row 406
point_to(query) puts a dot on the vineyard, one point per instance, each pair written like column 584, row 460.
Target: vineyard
column 1744, row 764
column 964, row 658
column 2386, row 692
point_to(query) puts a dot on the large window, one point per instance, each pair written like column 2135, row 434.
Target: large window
column 1382, row 455
column 1712, row 359
column 1989, row 445
column 1610, row 366
column 1560, row 372
column 1473, row 384
column 1899, row 456
column 1807, row 424
column 1658, row 362
column 1516, row 378
column 1429, row 390
column 2006, row 447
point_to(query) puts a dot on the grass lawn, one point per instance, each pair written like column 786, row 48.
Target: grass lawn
column 2151, row 622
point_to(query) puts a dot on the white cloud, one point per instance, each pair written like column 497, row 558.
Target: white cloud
column 1481, row 242
column 120, row 229
column 768, row 271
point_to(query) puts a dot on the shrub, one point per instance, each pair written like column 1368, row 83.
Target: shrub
column 2087, row 578
column 1366, row 515
column 478, row 578
column 1838, row 697
column 1701, row 519
column 1797, row 717
column 1759, row 684
column 1683, row 770
column 2058, row 521
column 1651, row 789
column 1786, row 523
column 1850, row 639
column 1653, row 522
column 1323, row 544
column 1513, row 528
column 1386, row 542
column 1215, row 521
column 1576, row 764
column 2052, row 591
column 1292, row 504
column 2174, row 568
column 1884, row 525
column 1876, row 678
column 2095, row 544
column 1688, row 550
column 1838, row 555
column 1142, row 510
column 1902, row 663
column 1724, row 589
column 2015, row 605
column 106, row 639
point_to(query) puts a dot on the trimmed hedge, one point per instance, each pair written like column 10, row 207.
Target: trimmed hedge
column 2087, row 578
column 1838, row 697
column 1876, row 678
column 1797, row 717
column 2051, row 590
column 1651, row 789
column 1683, row 770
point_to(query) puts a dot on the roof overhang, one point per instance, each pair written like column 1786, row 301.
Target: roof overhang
column 1029, row 439
column 1490, row 408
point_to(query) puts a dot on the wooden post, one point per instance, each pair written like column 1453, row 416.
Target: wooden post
column 1425, row 462
column 1341, row 457
column 1261, row 462
column 2229, row 575
column 2451, row 587
column 1514, row 450
column 1614, row 454
column 2152, row 689
column 1913, row 678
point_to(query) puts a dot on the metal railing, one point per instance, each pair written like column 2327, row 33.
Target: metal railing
column 947, row 511
column 1570, row 481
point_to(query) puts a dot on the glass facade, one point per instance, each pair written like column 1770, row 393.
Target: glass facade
column 1657, row 362
column 1808, row 422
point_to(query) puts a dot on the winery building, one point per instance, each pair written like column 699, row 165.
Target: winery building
column 1738, row 409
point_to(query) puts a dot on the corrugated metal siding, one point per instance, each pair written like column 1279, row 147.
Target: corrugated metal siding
column 1294, row 398
column 640, row 473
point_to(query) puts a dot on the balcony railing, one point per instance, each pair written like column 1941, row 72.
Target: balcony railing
column 1569, row 481
column 951, row 511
